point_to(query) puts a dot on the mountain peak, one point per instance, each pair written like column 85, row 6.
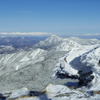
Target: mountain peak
column 53, row 38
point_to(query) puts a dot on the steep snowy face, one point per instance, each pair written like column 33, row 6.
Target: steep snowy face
column 69, row 65
column 92, row 59
column 80, row 64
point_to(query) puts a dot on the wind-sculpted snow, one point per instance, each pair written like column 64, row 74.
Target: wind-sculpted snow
column 81, row 65
column 84, row 65
column 92, row 59
column 70, row 63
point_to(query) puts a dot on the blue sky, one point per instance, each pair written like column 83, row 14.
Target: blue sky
column 74, row 17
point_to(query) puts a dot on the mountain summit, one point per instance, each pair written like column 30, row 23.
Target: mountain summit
column 51, row 41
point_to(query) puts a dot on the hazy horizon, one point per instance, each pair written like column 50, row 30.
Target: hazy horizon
column 46, row 36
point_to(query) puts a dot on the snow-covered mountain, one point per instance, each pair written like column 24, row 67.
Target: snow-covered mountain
column 56, row 60
column 49, row 42
column 52, row 43
column 65, row 44
column 9, row 44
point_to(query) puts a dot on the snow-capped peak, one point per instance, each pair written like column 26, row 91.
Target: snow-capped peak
column 53, row 39
column 49, row 42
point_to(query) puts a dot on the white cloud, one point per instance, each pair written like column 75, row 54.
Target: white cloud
column 96, row 34
column 27, row 33
column 93, row 34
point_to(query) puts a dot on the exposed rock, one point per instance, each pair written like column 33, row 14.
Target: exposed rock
column 2, row 97
column 99, row 63
column 73, row 87
column 35, row 93
column 96, row 92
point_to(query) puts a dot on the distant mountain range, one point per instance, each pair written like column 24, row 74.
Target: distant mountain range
column 9, row 44
column 19, row 41
column 14, row 43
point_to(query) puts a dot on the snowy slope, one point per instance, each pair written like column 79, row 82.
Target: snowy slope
column 32, row 69
column 15, row 61
column 85, row 41
column 81, row 64
column 66, row 46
